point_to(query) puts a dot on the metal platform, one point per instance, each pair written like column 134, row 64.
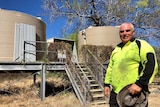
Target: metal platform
column 31, row 66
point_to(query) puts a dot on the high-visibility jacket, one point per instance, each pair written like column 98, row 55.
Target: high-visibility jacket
column 131, row 63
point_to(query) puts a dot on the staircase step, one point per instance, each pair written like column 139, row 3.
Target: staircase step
column 86, row 72
column 88, row 76
column 98, row 95
column 99, row 102
column 92, row 81
column 96, row 90
column 94, row 85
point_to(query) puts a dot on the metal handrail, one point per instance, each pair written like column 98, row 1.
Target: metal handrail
column 75, row 78
column 85, row 81
column 44, row 49
column 96, row 59
column 99, row 74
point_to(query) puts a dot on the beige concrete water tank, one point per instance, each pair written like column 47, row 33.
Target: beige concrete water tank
column 101, row 35
column 13, row 22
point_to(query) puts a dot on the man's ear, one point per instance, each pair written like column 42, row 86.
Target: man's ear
column 133, row 32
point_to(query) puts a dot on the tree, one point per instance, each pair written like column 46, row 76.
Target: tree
column 73, row 36
column 79, row 14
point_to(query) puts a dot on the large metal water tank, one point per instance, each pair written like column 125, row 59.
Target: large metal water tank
column 101, row 35
column 15, row 28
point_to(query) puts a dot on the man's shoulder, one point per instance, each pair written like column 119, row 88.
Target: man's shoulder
column 143, row 42
column 144, row 45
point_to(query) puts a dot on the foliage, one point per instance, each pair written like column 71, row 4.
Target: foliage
column 62, row 47
column 55, row 74
column 74, row 36
column 158, row 74
column 143, row 3
column 157, row 50
column 79, row 14
column 41, row 52
column 101, row 52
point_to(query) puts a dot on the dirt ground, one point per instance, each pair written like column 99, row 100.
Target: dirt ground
column 27, row 95
column 154, row 97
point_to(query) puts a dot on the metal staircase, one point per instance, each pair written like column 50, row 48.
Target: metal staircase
column 94, row 88
column 85, row 82
column 85, row 85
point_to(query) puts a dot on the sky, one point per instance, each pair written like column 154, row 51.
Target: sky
column 34, row 8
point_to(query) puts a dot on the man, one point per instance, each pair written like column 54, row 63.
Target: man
column 133, row 61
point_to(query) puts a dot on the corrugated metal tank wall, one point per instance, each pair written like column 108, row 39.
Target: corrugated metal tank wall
column 8, row 21
column 102, row 35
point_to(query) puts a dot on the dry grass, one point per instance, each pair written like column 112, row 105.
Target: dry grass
column 65, row 100
column 26, row 94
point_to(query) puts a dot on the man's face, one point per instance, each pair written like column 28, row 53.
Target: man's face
column 126, row 33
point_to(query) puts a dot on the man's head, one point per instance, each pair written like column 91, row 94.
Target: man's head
column 126, row 32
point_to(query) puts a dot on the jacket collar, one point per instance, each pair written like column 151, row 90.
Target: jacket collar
column 122, row 44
